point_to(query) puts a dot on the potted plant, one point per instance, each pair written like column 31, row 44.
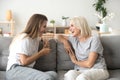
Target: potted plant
column 64, row 22
column 101, row 14
column 52, row 22
column 64, row 18
column 101, row 9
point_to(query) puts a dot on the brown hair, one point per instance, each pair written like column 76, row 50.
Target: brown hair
column 34, row 24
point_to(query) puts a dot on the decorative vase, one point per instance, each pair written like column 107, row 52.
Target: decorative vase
column 9, row 15
column 64, row 22
column 51, row 24
column 103, row 28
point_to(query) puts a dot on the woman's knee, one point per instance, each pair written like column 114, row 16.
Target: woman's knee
column 52, row 74
column 44, row 77
column 82, row 77
column 71, row 75
column 49, row 78
column 93, row 74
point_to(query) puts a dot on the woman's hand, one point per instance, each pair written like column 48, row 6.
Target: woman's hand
column 26, row 60
column 72, row 56
column 44, row 51
column 88, row 63
column 46, row 44
column 69, row 50
column 46, row 48
column 64, row 40
column 67, row 46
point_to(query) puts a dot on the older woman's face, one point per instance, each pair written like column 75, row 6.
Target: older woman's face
column 74, row 30
column 42, row 28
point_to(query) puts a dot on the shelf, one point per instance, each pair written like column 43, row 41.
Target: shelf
column 59, row 29
column 11, row 24
column 59, row 26
column 49, row 36
column 6, row 22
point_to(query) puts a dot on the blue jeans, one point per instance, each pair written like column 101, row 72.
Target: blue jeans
column 25, row 73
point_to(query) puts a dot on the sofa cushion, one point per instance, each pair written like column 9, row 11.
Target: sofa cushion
column 63, row 59
column 61, row 74
column 111, row 45
column 2, row 75
column 114, row 74
column 4, row 51
column 47, row 62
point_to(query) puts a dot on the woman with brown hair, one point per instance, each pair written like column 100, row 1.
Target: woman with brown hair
column 24, row 52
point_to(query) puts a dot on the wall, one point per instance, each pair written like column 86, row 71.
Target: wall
column 55, row 9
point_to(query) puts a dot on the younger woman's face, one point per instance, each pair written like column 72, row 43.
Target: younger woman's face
column 42, row 28
column 74, row 30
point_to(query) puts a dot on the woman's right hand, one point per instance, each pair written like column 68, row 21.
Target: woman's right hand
column 46, row 48
column 44, row 51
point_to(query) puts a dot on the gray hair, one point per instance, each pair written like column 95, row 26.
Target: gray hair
column 82, row 25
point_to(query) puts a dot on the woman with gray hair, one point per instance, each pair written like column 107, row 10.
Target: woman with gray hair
column 85, row 51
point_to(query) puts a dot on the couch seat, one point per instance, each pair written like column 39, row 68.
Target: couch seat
column 2, row 75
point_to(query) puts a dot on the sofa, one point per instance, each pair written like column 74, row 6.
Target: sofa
column 59, row 61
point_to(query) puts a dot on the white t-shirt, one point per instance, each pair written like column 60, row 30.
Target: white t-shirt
column 21, row 45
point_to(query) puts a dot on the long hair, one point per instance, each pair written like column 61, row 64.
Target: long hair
column 81, row 23
column 32, row 28
column 34, row 24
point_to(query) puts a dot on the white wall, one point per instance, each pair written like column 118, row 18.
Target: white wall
column 55, row 9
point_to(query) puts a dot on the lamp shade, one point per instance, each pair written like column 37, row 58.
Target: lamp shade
column 9, row 15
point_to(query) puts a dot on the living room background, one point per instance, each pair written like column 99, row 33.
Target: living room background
column 55, row 9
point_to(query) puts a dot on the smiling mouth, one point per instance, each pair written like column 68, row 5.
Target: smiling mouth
column 72, row 31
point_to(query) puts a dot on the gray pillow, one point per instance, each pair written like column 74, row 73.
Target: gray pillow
column 111, row 45
column 4, row 51
column 47, row 62
column 4, row 59
column 63, row 59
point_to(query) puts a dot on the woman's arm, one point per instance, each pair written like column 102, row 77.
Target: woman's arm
column 26, row 60
column 64, row 40
column 87, row 63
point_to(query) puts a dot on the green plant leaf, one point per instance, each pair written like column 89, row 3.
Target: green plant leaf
column 99, row 7
column 63, row 17
column 52, row 21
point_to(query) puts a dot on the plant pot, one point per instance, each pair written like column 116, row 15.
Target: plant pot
column 64, row 22
column 103, row 28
